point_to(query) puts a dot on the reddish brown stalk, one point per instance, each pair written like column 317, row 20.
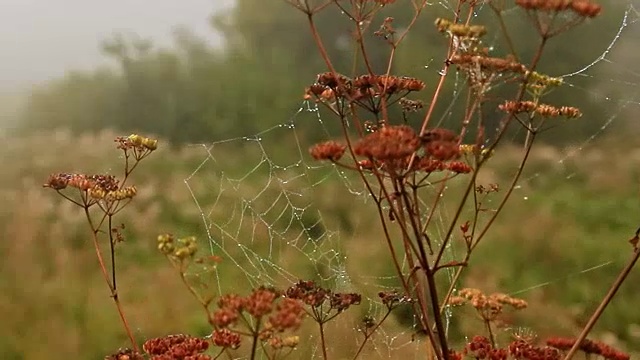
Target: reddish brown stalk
column 392, row 57
column 443, row 76
column 205, row 303
column 323, row 343
column 603, row 305
column 509, row 118
column 486, row 228
column 427, row 271
column 113, row 291
column 367, row 336
column 409, row 250
column 512, row 186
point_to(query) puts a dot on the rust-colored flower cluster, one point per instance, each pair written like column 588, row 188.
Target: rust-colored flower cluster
column 488, row 64
column 98, row 187
column 392, row 147
column 329, row 86
column 480, row 348
column 316, row 296
column 441, row 152
column 173, row 347
column 589, row 347
column 522, row 349
column 388, row 143
column 545, row 110
column 328, row 150
column 288, row 315
column 488, row 306
column 281, row 314
column 391, row 84
column 226, row 338
column 391, row 299
column 583, row 8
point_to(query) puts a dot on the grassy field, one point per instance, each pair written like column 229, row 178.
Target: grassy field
column 559, row 245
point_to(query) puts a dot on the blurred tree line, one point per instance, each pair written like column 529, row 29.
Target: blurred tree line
column 194, row 92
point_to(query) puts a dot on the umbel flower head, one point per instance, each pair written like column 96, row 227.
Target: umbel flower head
column 388, row 143
column 590, row 347
column 177, row 347
column 98, row 187
column 584, row 8
column 329, row 86
column 328, row 150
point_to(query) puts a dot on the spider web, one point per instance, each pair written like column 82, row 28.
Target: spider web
column 276, row 216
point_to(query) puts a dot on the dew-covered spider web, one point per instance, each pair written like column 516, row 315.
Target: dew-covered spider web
column 275, row 215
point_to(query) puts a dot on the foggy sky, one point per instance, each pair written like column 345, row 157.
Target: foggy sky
column 41, row 39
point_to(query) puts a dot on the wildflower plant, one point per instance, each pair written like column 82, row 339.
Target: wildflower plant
column 101, row 197
column 401, row 166
column 406, row 170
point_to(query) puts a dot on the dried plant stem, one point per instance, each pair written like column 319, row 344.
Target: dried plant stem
column 254, row 344
column 505, row 32
column 323, row 342
column 506, row 197
column 368, row 334
column 605, row 302
column 105, row 273
column 112, row 249
column 192, row 290
column 512, row 186
column 430, row 275
column 443, row 75
column 319, row 44
column 492, row 338
column 507, row 122
column 435, row 305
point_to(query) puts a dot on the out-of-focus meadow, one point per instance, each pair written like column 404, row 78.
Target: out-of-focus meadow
column 559, row 245
column 54, row 294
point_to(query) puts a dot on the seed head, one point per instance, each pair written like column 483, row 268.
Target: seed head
column 388, row 143
column 328, row 150
column 177, row 347
column 288, row 315
column 260, row 302
column 589, row 347
column 226, row 338
column 582, row 8
column 342, row 301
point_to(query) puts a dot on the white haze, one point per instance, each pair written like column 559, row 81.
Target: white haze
column 42, row 39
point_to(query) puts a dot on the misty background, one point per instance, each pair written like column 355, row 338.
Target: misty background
column 205, row 70
column 75, row 73
column 41, row 39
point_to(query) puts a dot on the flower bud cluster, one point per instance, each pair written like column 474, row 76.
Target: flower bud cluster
column 177, row 347
column 583, row 8
column 315, row 296
column 489, row 307
column 589, row 347
column 330, row 86
column 545, row 110
column 267, row 307
column 182, row 248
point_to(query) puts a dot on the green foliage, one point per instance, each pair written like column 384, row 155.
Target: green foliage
column 547, row 240
column 195, row 93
